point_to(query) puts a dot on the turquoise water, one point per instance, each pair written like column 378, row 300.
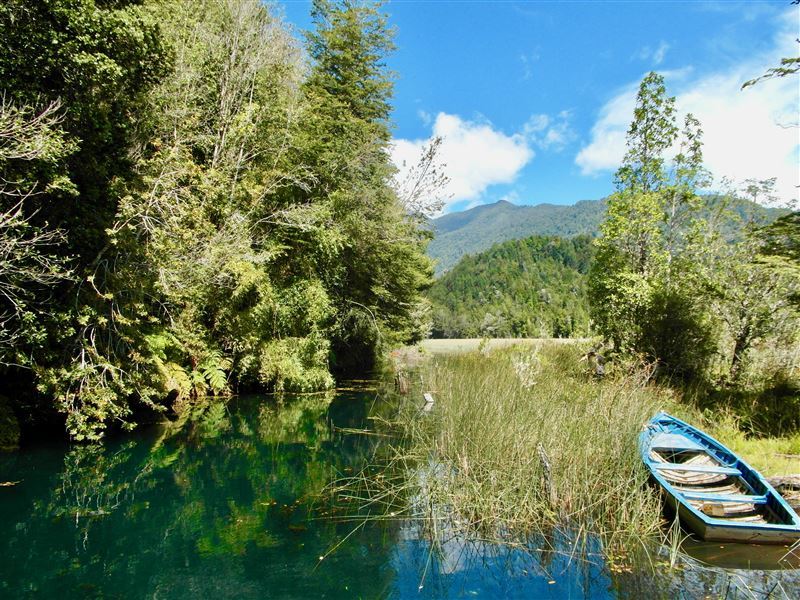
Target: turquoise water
column 228, row 505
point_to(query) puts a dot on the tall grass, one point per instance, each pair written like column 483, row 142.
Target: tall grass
column 523, row 441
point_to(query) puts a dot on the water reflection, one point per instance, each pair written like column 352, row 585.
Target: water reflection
column 467, row 567
column 218, row 503
column 742, row 556
column 225, row 502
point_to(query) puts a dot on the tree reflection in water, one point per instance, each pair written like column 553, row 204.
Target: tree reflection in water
column 225, row 502
column 220, row 501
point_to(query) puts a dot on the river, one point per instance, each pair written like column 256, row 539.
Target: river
column 227, row 505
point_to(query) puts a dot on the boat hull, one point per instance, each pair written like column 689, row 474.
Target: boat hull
column 715, row 493
column 727, row 533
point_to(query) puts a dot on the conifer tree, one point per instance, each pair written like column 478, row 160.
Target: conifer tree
column 382, row 267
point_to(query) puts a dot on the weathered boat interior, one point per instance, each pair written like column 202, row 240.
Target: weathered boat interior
column 711, row 487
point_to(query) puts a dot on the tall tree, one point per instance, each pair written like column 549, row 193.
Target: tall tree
column 647, row 258
column 196, row 286
column 382, row 269
column 99, row 60
column 756, row 284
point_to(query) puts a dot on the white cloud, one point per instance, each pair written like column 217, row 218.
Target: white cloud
column 536, row 124
column 745, row 131
column 660, row 53
column 655, row 55
column 475, row 155
column 550, row 133
column 425, row 116
column 527, row 61
column 607, row 148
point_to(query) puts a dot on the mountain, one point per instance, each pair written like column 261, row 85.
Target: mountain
column 533, row 287
column 477, row 229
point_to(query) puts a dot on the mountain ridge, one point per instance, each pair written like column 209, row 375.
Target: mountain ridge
column 477, row 229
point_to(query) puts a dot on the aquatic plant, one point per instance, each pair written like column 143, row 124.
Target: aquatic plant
column 521, row 443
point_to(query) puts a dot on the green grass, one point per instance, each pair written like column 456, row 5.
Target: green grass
column 480, row 458
column 523, row 440
column 769, row 455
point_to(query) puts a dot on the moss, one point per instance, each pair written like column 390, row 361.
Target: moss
column 9, row 426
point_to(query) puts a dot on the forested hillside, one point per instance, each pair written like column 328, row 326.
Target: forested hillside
column 192, row 204
column 477, row 229
column 534, row 287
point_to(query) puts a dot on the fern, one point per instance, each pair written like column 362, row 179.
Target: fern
column 212, row 369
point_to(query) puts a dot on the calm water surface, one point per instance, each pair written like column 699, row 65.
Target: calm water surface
column 227, row 505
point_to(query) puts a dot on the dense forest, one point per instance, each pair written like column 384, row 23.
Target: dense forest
column 535, row 287
column 479, row 228
column 194, row 201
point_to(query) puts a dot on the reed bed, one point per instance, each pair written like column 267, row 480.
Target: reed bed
column 524, row 441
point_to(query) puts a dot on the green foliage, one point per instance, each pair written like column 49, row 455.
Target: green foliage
column 230, row 206
column 9, row 425
column 296, row 365
column 779, row 249
column 789, row 65
column 534, row 287
column 99, row 59
column 671, row 286
column 650, row 135
column 756, row 302
column 33, row 148
column 782, row 238
column 645, row 285
column 382, row 269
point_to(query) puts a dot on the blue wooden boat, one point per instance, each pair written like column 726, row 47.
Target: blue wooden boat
column 715, row 493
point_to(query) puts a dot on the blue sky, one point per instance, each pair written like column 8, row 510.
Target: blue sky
column 533, row 98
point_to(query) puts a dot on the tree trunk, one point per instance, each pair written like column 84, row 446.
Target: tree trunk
column 740, row 346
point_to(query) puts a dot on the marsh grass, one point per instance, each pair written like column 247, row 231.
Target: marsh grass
column 771, row 455
column 528, row 441
column 522, row 443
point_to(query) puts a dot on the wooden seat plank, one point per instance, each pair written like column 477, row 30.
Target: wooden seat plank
column 697, row 468
column 720, row 498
